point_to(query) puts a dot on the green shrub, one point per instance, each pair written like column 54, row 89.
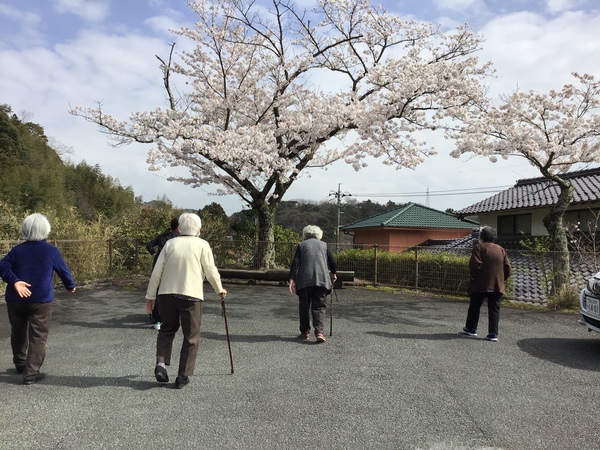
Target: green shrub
column 442, row 271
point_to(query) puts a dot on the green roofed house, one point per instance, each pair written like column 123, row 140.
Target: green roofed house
column 407, row 226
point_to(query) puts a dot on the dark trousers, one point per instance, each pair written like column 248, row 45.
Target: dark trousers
column 312, row 299
column 493, row 303
column 174, row 312
column 30, row 324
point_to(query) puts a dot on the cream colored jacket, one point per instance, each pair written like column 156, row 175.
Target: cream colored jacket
column 181, row 267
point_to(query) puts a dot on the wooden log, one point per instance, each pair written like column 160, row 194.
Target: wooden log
column 278, row 275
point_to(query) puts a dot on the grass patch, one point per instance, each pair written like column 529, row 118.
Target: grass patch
column 566, row 299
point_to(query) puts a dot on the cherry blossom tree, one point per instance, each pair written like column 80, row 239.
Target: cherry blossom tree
column 274, row 90
column 553, row 132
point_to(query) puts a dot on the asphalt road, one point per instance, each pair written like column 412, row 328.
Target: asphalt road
column 394, row 375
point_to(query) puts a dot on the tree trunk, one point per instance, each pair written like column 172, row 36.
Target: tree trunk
column 554, row 223
column 264, row 256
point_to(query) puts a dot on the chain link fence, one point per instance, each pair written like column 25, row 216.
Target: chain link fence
column 418, row 268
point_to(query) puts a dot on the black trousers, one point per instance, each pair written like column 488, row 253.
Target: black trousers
column 493, row 303
column 312, row 299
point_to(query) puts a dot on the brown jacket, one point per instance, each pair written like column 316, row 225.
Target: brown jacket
column 489, row 267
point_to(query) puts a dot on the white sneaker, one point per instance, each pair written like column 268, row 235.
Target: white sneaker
column 157, row 326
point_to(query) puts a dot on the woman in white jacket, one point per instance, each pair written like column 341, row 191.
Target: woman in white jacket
column 177, row 279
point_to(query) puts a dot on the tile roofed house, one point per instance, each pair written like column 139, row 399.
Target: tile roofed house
column 517, row 213
column 408, row 225
column 539, row 192
column 519, row 210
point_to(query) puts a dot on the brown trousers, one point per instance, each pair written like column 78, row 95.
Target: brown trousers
column 175, row 311
column 30, row 324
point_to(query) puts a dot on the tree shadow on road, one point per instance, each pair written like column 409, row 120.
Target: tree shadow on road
column 246, row 338
column 424, row 336
column 575, row 353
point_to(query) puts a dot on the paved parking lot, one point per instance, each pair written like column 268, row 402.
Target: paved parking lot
column 393, row 375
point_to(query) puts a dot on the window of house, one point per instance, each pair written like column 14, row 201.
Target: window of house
column 588, row 219
column 514, row 225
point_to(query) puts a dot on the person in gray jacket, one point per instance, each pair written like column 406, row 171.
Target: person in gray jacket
column 312, row 274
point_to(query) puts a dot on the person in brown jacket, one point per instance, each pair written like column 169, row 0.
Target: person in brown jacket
column 489, row 267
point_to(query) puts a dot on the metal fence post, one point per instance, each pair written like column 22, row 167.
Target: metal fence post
column 110, row 253
column 417, row 267
column 375, row 265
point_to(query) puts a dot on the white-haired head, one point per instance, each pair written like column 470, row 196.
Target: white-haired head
column 35, row 227
column 189, row 224
column 312, row 232
column 487, row 234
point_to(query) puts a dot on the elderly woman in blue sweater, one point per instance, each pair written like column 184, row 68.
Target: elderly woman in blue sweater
column 312, row 275
column 28, row 270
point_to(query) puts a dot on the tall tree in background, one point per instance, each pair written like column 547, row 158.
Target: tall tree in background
column 553, row 132
column 215, row 223
column 95, row 194
column 275, row 90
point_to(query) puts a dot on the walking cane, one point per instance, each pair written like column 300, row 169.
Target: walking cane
column 227, row 332
column 331, row 315
column 333, row 291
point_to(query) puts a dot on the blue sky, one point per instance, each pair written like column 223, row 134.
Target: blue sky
column 60, row 53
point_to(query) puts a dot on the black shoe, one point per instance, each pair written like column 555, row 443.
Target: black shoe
column 181, row 381
column 161, row 374
column 20, row 369
column 38, row 377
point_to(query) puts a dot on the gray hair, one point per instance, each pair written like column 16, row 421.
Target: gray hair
column 312, row 231
column 189, row 224
column 487, row 234
column 35, row 227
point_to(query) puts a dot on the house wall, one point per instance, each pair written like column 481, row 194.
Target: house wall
column 399, row 239
column 537, row 217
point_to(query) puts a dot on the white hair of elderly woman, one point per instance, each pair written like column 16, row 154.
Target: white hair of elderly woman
column 189, row 224
column 312, row 231
column 35, row 227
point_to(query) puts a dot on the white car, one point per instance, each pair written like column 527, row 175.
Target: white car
column 589, row 304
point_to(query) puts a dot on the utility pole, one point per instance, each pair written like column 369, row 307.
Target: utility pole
column 339, row 195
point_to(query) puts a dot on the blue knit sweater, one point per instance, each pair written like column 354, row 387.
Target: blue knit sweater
column 35, row 263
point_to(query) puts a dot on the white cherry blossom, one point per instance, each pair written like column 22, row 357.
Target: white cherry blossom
column 270, row 90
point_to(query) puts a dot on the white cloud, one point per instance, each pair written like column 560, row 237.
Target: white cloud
column 558, row 6
column 26, row 22
column 460, row 5
column 532, row 52
column 89, row 10
column 18, row 15
column 162, row 24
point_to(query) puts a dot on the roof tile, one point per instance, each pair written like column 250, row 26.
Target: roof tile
column 539, row 192
column 413, row 215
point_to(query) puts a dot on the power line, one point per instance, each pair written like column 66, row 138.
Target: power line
column 487, row 190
